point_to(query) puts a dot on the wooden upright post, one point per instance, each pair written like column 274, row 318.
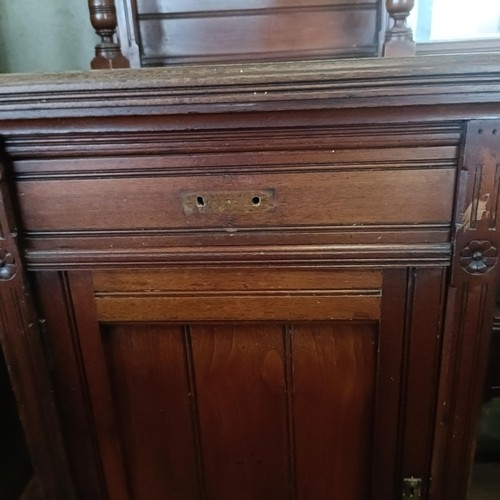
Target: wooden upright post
column 22, row 341
column 108, row 54
column 399, row 38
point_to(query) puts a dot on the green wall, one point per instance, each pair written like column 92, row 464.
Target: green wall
column 45, row 36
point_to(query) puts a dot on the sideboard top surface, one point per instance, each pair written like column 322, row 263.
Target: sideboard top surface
column 340, row 84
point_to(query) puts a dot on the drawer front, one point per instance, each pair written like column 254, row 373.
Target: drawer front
column 300, row 200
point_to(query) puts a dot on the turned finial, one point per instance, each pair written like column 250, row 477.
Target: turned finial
column 108, row 54
column 399, row 39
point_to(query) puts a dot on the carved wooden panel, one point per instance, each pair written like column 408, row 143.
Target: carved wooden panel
column 475, row 274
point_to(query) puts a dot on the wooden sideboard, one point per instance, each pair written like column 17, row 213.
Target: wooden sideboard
column 251, row 281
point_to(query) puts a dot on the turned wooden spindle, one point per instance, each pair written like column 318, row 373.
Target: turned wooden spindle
column 108, row 54
column 399, row 39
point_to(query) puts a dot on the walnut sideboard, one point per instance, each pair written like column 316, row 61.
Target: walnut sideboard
column 251, row 282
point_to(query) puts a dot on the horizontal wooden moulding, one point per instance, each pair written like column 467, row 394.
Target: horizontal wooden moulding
column 365, row 256
column 232, row 279
column 239, row 308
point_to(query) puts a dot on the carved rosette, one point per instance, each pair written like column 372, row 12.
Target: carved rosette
column 7, row 265
column 479, row 257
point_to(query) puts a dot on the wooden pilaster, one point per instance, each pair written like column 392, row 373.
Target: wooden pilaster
column 474, row 274
column 22, row 343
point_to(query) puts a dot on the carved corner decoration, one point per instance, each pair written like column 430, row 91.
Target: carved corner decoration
column 7, row 265
column 20, row 339
column 474, row 273
column 479, row 257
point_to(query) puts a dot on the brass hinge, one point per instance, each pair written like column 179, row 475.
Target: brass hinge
column 412, row 488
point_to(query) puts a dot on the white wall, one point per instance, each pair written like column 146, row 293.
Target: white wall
column 45, row 36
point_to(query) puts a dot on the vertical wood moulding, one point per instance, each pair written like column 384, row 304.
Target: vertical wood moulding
column 195, row 416
column 427, row 287
column 405, row 360
column 73, row 329
column 97, row 376
column 470, row 306
column 71, row 389
column 289, row 388
column 388, row 382
column 21, row 339
column 495, row 196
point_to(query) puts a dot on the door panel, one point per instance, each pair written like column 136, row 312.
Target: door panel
column 243, row 411
column 151, row 393
column 241, row 393
column 306, row 407
column 334, row 370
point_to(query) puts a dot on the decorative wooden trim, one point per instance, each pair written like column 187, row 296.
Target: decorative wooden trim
column 108, row 54
column 474, row 273
column 479, row 257
column 259, row 148
column 21, row 340
column 251, row 88
column 8, row 266
column 389, row 383
column 399, row 39
column 80, row 285
column 366, row 256
column 241, row 12
column 70, row 384
column 423, row 337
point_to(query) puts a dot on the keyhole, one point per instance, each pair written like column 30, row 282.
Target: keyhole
column 256, row 201
column 200, row 201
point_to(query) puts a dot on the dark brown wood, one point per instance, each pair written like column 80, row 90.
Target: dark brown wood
column 227, row 204
column 365, row 85
column 325, row 340
column 22, row 345
column 423, row 337
column 388, row 388
column 108, row 53
column 211, row 398
column 151, row 391
column 70, row 389
column 32, row 491
column 98, row 385
column 179, row 32
column 399, row 38
column 471, row 304
column 336, row 365
column 492, row 389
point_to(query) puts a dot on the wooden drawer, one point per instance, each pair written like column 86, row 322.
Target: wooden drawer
column 304, row 199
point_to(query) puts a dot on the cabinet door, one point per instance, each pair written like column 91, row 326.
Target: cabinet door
column 253, row 383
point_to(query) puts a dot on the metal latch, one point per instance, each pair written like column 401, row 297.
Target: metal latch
column 412, row 488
